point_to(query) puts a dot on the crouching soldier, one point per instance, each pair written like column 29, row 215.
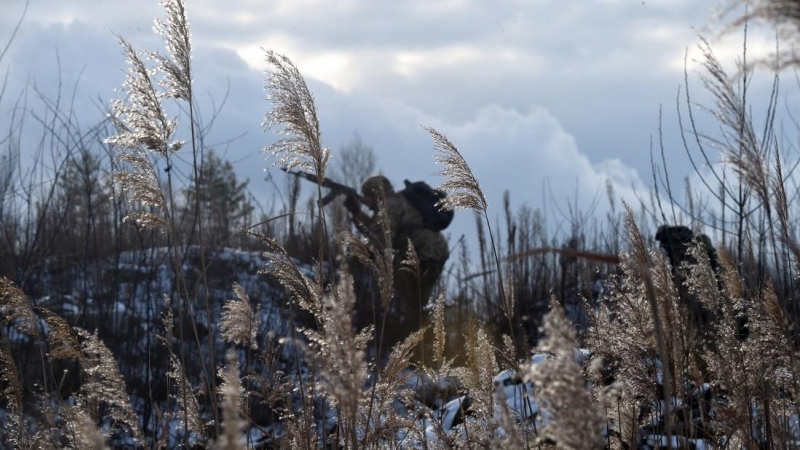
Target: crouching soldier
column 675, row 240
column 411, row 217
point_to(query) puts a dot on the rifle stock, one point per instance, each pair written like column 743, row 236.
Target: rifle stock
column 335, row 188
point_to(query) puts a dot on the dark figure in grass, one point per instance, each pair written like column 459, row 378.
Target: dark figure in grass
column 412, row 291
column 676, row 240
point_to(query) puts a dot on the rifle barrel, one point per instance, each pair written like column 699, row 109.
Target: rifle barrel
column 336, row 188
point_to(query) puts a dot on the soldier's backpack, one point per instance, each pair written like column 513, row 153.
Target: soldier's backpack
column 424, row 198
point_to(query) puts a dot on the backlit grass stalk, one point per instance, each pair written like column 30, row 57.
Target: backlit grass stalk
column 142, row 125
column 177, row 83
column 641, row 261
column 294, row 114
column 464, row 192
column 561, row 387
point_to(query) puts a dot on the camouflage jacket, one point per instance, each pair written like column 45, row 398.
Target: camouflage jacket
column 406, row 223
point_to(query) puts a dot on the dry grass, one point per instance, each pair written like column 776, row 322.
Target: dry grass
column 657, row 368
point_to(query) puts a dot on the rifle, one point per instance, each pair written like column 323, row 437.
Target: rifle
column 335, row 188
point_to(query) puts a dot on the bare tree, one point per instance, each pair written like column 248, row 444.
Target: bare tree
column 355, row 162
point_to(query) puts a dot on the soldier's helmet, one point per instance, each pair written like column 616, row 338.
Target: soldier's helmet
column 375, row 186
column 675, row 240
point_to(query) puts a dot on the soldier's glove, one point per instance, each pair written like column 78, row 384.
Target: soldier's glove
column 351, row 203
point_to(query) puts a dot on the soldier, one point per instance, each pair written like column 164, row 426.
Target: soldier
column 411, row 294
column 675, row 240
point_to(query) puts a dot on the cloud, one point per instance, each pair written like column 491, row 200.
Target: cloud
column 520, row 152
column 507, row 150
column 535, row 93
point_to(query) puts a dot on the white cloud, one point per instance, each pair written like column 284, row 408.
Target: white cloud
column 596, row 71
column 517, row 152
column 336, row 68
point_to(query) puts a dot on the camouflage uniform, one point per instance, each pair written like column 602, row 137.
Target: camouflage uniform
column 675, row 240
column 410, row 294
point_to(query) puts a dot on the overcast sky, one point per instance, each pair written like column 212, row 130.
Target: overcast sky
column 558, row 93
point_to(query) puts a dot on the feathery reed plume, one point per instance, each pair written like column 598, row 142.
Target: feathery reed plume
column 304, row 291
column 177, row 81
column 383, row 251
column 233, row 396
column 399, row 357
column 300, row 437
column 340, row 354
column 381, row 420
column 642, row 327
column 141, row 121
column 410, row 263
column 239, row 323
column 739, row 141
column 561, row 388
column 376, row 253
column 641, row 267
column 62, row 338
column 702, row 281
column 271, row 384
column 104, row 384
column 639, row 253
column 83, row 432
column 188, row 407
column 296, row 116
column 140, row 181
column 15, row 306
column 478, row 377
column 752, row 371
column 168, row 319
column 622, row 330
column 731, row 282
column 507, row 284
column 308, row 295
column 463, row 190
column 781, row 202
